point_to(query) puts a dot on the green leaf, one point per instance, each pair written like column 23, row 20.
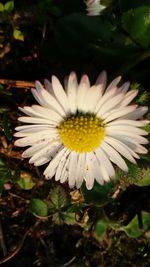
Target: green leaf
column 5, row 175
column 133, row 230
column 99, row 195
column 133, row 175
column 57, row 218
column 1, row 7
column 137, row 23
column 59, row 205
column 1, row 186
column 58, row 198
column 9, row 6
column 68, row 7
column 18, row 35
column 69, row 218
column 5, row 91
column 71, row 29
column 127, row 5
column 102, row 41
column 147, row 128
column 6, row 126
column 64, row 217
column 145, row 180
column 25, row 181
column 143, row 98
column 39, row 207
column 101, row 227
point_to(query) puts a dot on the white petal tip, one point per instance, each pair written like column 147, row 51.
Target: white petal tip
column 71, row 186
column 146, row 122
column 31, row 161
column 84, row 78
column 17, row 143
column 73, row 74
column 38, row 85
column 89, row 186
column 125, row 169
column 54, row 79
column 15, row 134
column 47, row 177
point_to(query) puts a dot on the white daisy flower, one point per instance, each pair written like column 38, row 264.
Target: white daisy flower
column 82, row 131
column 94, row 7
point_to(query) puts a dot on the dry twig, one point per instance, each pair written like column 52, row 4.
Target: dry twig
column 18, row 248
column 2, row 242
column 17, row 84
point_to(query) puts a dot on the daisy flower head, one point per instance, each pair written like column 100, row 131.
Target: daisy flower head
column 94, row 7
column 82, row 131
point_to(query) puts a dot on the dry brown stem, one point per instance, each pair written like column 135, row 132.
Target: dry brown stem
column 17, row 84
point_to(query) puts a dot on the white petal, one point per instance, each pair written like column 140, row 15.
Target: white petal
column 47, row 157
column 66, row 78
column 136, row 114
column 126, row 129
column 47, row 113
column 122, row 149
column 72, row 86
column 141, row 149
column 82, row 91
column 130, row 147
column 99, row 178
column 60, row 94
column 45, row 151
column 97, row 170
column 61, row 165
column 72, row 169
column 134, row 136
column 124, row 88
column 104, row 98
column 102, row 80
column 22, row 134
column 33, row 149
column 130, row 143
column 64, row 177
column 80, row 170
column 110, row 104
column 34, row 138
column 89, row 174
column 48, row 86
column 92, row 97
column 51, row 168
column 29, row 129
column 104, row 172
column 114, row 156
column 36, row 120
column 113, row 84
column 117, row 113
column 40, row 112
column 49, row 100
column 128, row 122
column 65, row 174
column 33, row 132
column 33, row 128
column 42, row 161
column 129, row 97
column 38, row 98
column 104, row 161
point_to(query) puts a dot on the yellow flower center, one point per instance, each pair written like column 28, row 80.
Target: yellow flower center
column 81, row 132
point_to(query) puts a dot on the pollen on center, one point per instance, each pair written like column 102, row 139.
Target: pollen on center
column 81, row 132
